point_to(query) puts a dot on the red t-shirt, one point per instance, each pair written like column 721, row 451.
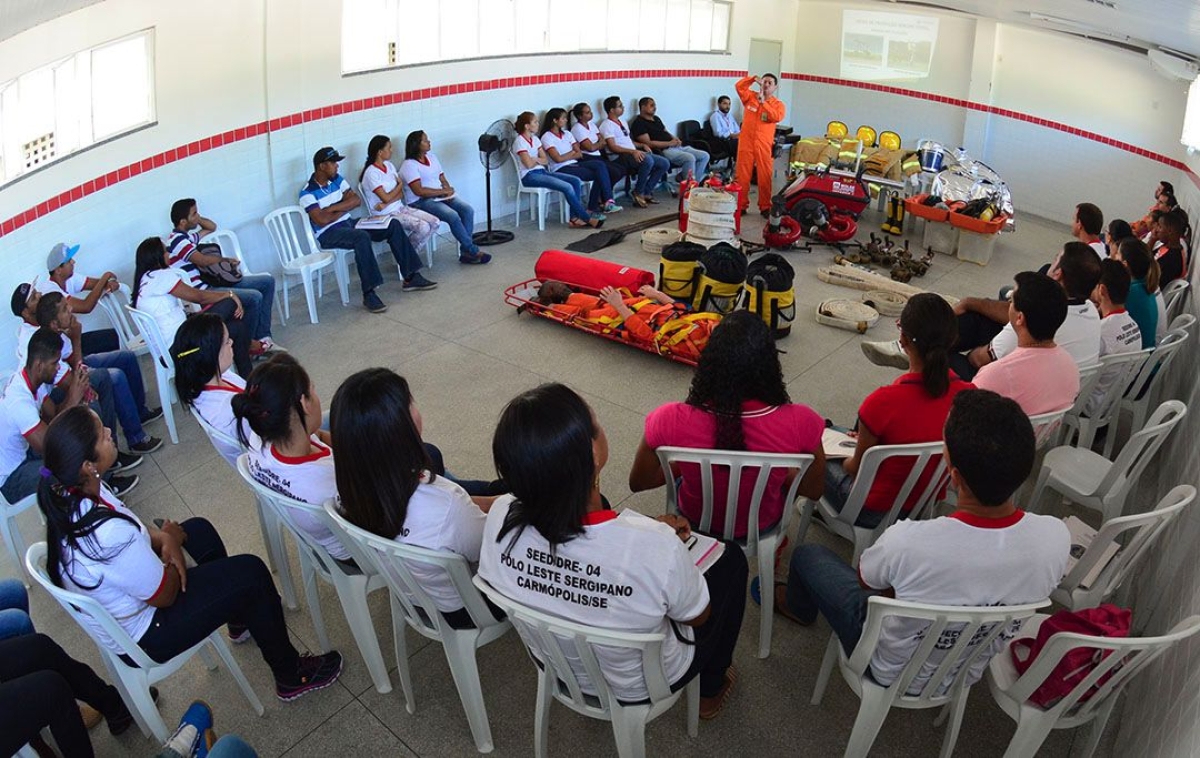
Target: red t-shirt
column 791, row 428
column 902, row 413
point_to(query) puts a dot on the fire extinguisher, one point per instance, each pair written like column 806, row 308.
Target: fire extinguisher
column 685, row 189
column 735, row 189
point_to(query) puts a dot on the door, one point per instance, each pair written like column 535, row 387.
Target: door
column 766, row 56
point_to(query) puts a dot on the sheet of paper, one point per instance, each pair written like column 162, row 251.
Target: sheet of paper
column 705, row 550
column 1081, row 539
column 837, row 444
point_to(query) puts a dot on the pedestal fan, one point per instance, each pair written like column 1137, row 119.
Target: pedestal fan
column 494, row 145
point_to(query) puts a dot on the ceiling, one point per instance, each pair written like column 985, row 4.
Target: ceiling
column 17, row 16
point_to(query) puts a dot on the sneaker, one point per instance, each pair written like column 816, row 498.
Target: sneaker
column 416, row 283
column 194, row 736
column 269, row 346
column 118, row 724
column 477, row 259
column 238, row 633
column 125, row 462
column 372, row 303
column 151, row 414
column 122, row 485
column 315, row 672
column 148, row 445
column 612, row 207
column 885, row 354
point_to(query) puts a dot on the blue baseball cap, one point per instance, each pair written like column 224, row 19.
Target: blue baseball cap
column 60, row 254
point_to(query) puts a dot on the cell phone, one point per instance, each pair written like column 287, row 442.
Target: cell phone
column 158, row 522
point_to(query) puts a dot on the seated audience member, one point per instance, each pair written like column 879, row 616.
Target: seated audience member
column 294, row 457
column 390, row 486
column 1119, row 333
column 738, row 401
column 426, row 189
column 328, row 199
column 988, row 552
column 1164, row 201
column 39, row 686
column 566, row 157
column 636, row 159
column 1170, row 254
column 188, row 252
column 531, row 172
column 910, row 410
column 384, row 193
column 648, row 129
column 1038, row 374
column 1141, row 302
column 724, row 126
column 98, row 547
column 1117, row 232
column 550, row 449
column 54, row 313
column 591, row 144
column 84, row 293
column 160, row 292
column 1087, row 227
column 205, row 380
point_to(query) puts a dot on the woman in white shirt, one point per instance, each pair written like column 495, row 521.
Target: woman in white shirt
column 552, row 545
column 591, row 144
column 384, row 193
column 391, row 486
column 159, row 290
column 97, row 547
column 294, row 457
column 531, row 170
column 203, row 356
column 564, row 154
column 426, row 189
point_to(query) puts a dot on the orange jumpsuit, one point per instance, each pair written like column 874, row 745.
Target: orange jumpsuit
column 755, row 143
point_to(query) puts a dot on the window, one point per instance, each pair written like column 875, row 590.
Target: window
column 378, row 34
column 75, row 102
column 1191, row 119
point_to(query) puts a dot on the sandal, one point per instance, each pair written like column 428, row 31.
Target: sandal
column 650, row 199
column 711, row 706
column 577, row 223
column 595, row 223
column 781, row 606
column 639, row 201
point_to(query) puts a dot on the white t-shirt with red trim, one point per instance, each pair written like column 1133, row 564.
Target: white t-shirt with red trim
column 529, row 146
column 73, row 286
column 156, row 298
column 626, row 572
column 214, row 406
column 616, row 130
column 25, row 332
column 18, row 417
column 960, row 559
column 123, row 570
column 563, row 144
column 386, row 178
column 591, row 133
column 1119, row 333
column 428, row 171
column 308, row 478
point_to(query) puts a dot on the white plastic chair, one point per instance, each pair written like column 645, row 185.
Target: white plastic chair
column 541, row 196
column 562, row 650
column 1175, row 297
column 1144, row 391
column 133, row 681
column 1182, row 323
column 956, row 641
column 1093, row 481
column 1047, row 427
column 756, row 467
column 1132, row 536
column 232, row 248
column 14, row 542
column 1085, row 417
column 352, row 584
column 924, row 455
column 164, row 367
column 114, row 304
column 1122, row 657
column 272, row 530
column 300, row 256
column 412, row 606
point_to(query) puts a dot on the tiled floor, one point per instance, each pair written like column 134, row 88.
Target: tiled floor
column 466, row 353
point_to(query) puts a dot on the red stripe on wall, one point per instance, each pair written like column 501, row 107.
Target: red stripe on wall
column 283, row 122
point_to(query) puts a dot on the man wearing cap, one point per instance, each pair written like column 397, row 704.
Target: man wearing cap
column 328, row 200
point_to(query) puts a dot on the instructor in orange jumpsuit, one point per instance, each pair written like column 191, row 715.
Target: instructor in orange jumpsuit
column 761, row 111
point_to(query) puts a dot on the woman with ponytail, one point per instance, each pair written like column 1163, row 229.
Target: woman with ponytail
column 204, row 379
column 98, row 547
column 738, row 401
column 384, row 193
column 910, row 410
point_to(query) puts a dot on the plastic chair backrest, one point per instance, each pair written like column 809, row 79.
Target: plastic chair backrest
column 84, row 609
column 1175, row 296
column 219, row 438
column 1126, row 656
column 291, row 233
column 1155, row 367
column 924, row 455
column 889, row 140
column 231, row 247
column 836, row 129
column 568, row 649
column 866, row 135
column 155, row 342
column 1046, row 426
column 1182, row 323
column 1140, row 449
column 114, row 305
column 1119, row 371
column 394, row 561
column 1145, row 528
column 738, row 465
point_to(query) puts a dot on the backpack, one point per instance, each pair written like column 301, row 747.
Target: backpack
column 722, row 275
column 769, row 292
column 1107, row 620
column 677, row 269
column 223, row 273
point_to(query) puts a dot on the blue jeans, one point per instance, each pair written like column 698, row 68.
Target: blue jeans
column 688, row 159
column 231, row 746
column 596, row 173
column 821, row 582
column 569, row 186
column 838, row 484
column 650, row 172
column 126, row 362
column 23, row 480
column 14, row 609
column 116, row 402
column 257, row 293
column 343, row 235
column 459, row 215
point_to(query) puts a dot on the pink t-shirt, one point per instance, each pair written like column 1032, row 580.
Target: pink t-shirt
column 791, row 428
column 1040, row 379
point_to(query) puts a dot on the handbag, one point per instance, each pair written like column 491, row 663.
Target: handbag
column 223, row 273
column 1107, row 620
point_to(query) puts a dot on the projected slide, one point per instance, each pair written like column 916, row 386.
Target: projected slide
column 879, row 46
